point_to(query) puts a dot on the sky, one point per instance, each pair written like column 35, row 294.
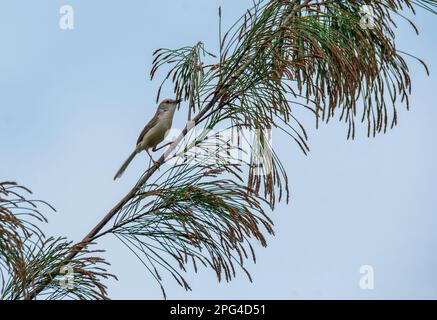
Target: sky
column 74, row 101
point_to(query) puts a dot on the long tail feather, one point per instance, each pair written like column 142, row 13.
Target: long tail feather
column 125, row 165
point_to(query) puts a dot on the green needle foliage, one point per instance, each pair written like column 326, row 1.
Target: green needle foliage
column 191, row 215
column 27, row 256
column 280, row 56
column 209, row 207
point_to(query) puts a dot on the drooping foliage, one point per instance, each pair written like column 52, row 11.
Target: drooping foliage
column 27, row 255
column 209, row 207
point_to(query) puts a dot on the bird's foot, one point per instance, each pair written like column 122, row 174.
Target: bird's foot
column 156, row 164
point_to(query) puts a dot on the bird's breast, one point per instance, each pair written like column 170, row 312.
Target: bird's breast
column 157, row 133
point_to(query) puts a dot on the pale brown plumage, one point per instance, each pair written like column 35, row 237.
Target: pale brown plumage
column 154, row 132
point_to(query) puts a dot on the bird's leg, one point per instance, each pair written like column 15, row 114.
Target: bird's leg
column 156, row 163
column 165, row 145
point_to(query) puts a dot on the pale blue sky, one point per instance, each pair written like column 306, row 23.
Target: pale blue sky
column 72, row 105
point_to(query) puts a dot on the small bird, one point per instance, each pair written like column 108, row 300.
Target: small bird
column 154, row 132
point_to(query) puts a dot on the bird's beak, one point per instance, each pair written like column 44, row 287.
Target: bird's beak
column 178, row 101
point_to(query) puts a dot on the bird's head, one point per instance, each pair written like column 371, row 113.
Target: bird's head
column 168, row 105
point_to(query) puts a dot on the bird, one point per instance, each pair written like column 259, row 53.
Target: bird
column 153, row 133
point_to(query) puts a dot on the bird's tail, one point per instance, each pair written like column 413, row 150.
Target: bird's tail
column 126, row 164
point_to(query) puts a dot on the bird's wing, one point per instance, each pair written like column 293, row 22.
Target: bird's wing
column 148, row 126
